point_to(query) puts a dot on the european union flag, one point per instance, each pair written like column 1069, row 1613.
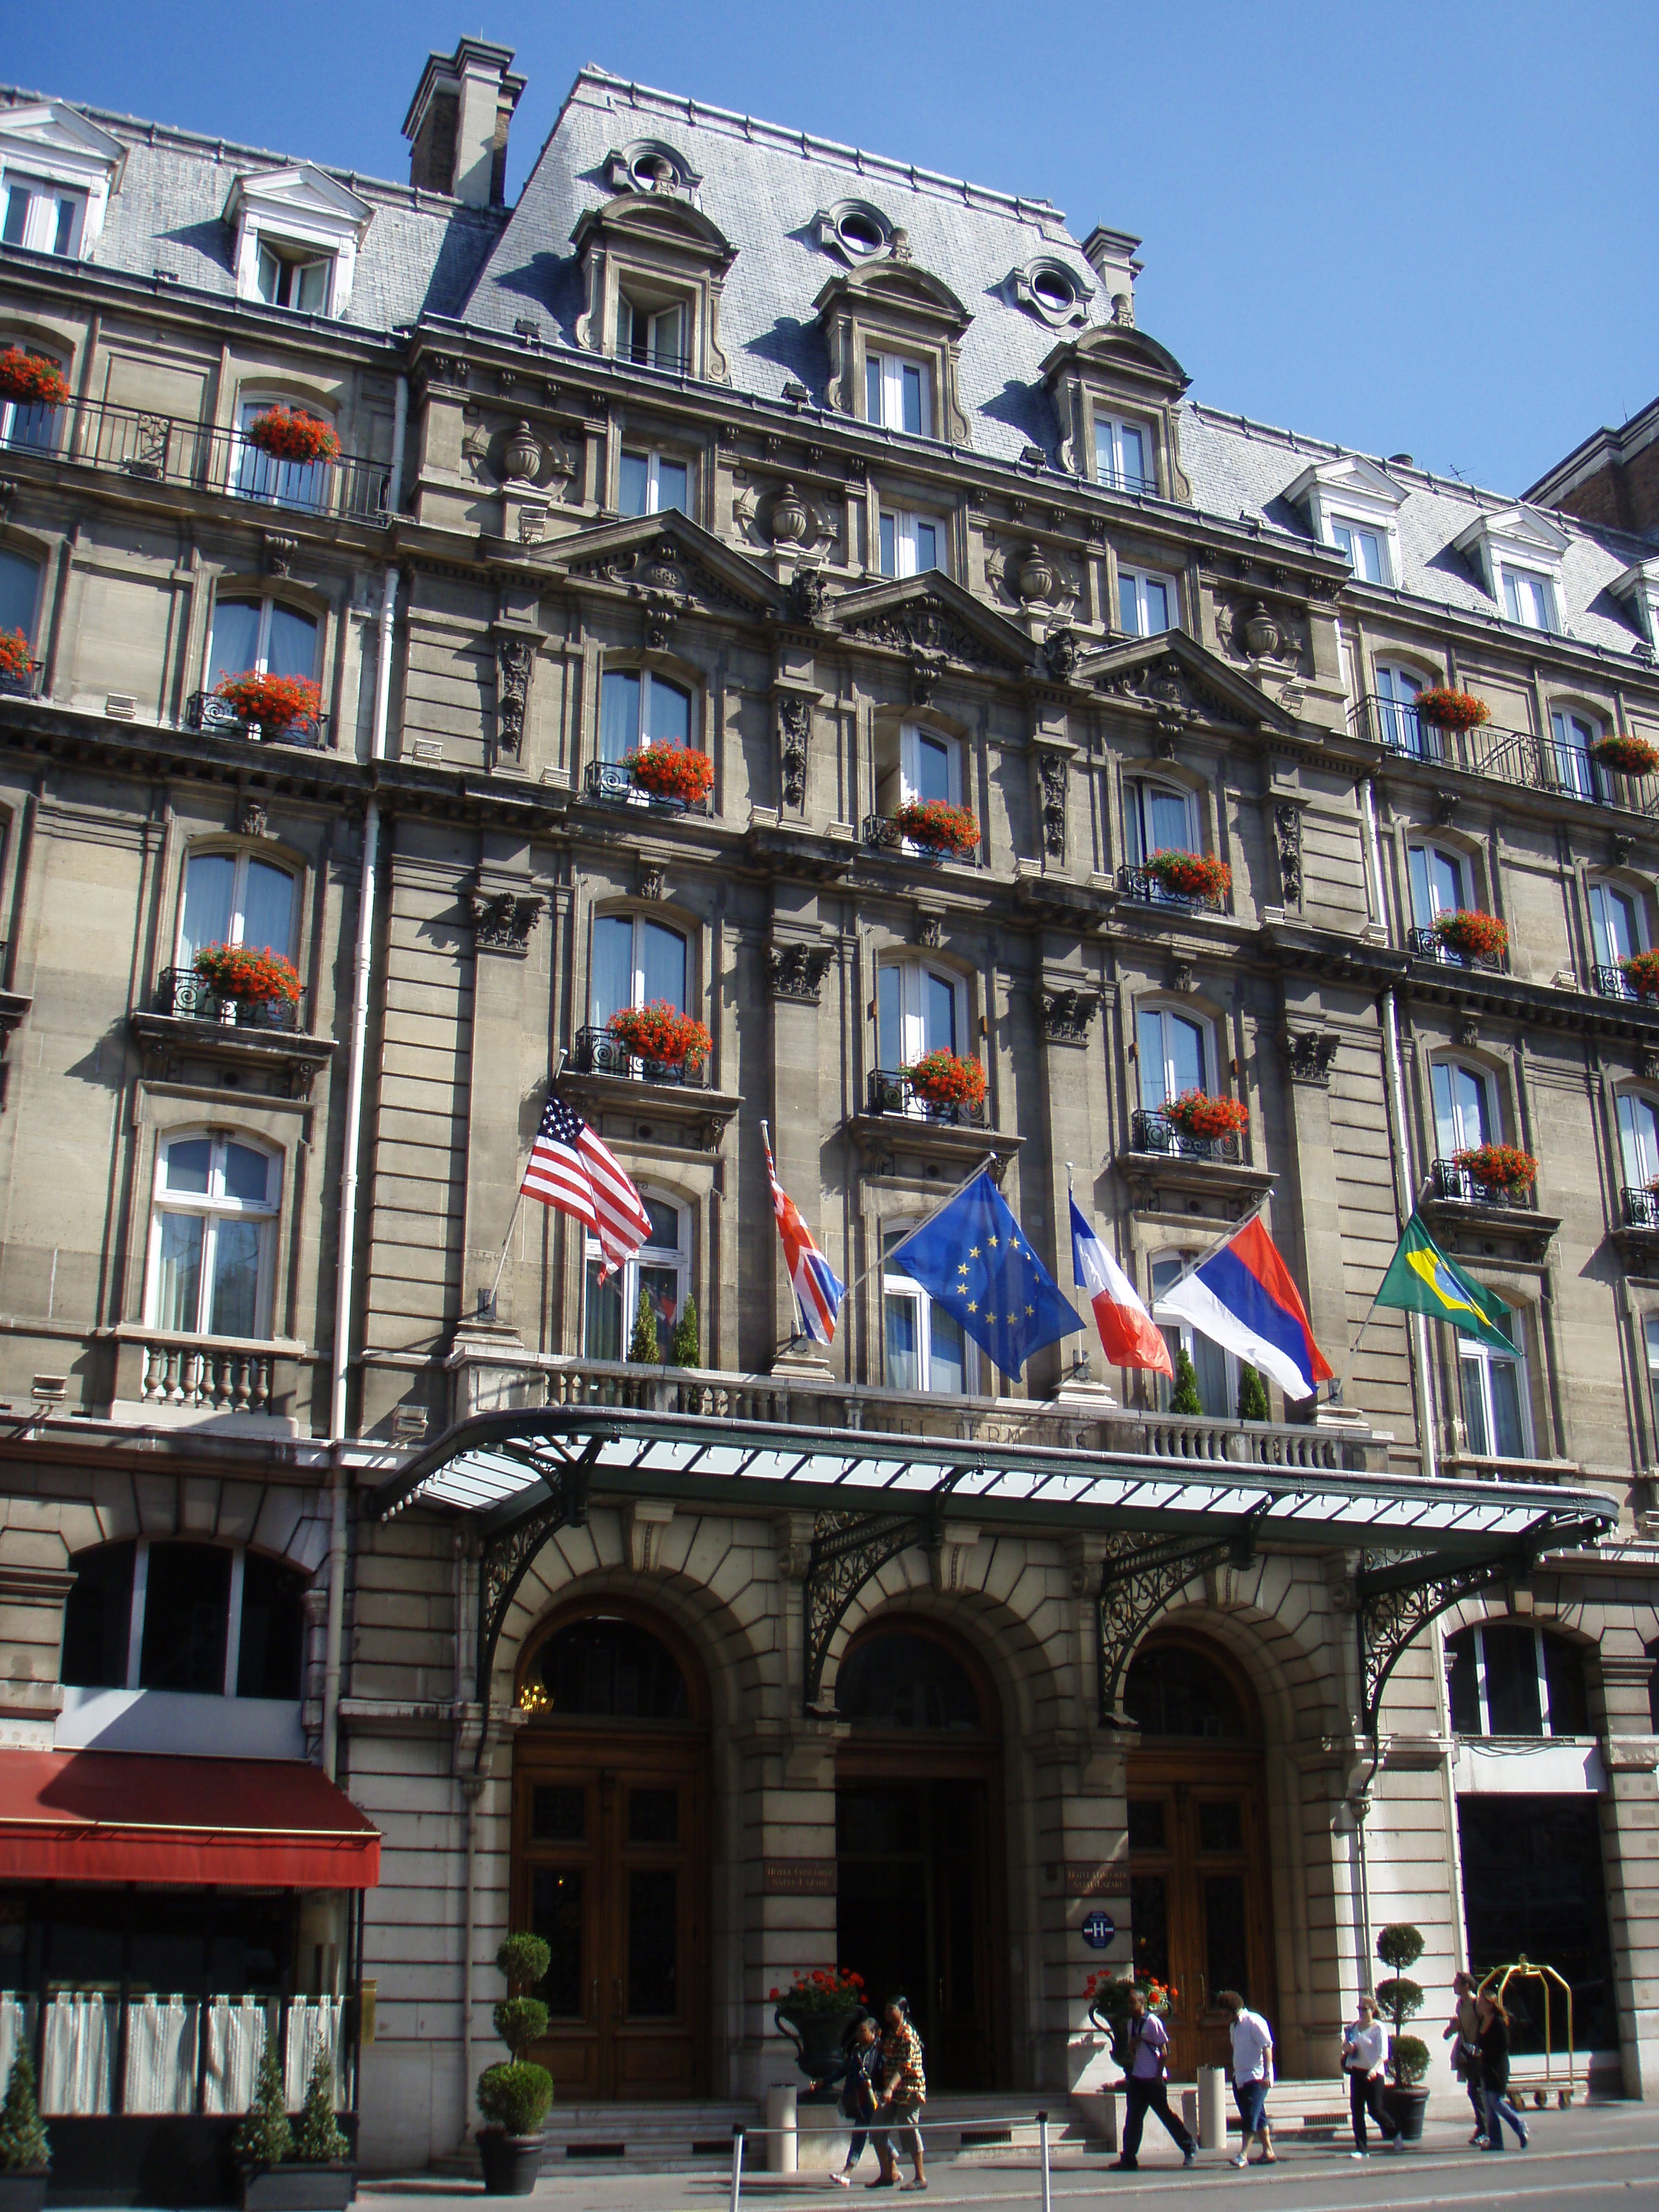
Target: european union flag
column 974, row 1259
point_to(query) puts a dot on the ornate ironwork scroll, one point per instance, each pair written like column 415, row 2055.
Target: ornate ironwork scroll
column 1397, row 1595
column 847, row 1548
column 1139, row 1576
column 509, row 1551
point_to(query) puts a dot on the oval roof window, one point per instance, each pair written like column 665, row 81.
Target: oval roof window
column 861, row 232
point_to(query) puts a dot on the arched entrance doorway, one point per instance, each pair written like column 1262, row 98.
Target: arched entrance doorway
column 920, row 1884
column 611, row 1852
column 1198, row 1897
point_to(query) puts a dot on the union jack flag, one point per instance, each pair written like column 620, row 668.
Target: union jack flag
column 818, row 1293
column 572, row 1171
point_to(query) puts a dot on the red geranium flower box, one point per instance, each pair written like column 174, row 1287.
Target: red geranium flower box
column 1641, row 971
column 661, row 1032
column 276, row 700
column 1477, row 936
column 934, row 823
column 1499, row 1167
column 246, row 971
column 672, row 772
column 32, row 380
column 1202, row 1116
column 819, row 1991
column 1444, row 709
column 292, row 436
column 13, row 653
column 1191, row 875
column 1630, row 756
column 944, row 1079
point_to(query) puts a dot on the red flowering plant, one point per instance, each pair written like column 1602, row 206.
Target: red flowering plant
column 819, row 1989
column 661, row 1032
column 1641, row 971
column 1202, row 1116
column 1444, row 707
column 939, row 825
column 1191, row 875
column 13, row 653
column 943, row 1078
column 247, row 972
column 1477, row 936
column 31, row 379
column 278, row 701
column 291, row 435
column 1630, row 756
column 1498, row 1167
column 672, row 772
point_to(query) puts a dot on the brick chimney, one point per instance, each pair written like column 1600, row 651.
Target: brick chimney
column 458, row 119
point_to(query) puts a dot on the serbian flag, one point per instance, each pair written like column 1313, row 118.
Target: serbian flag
column 1242, row 1297
column 1131, row 1337
column 817, row 1293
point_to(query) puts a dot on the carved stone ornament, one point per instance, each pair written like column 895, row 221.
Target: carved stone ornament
column 651, row 881
column 1167, row 688
column 1309, row 1053
column 1647, row 1063
column 930, row 932
column 787, row 521
column 1185, row 979
column 798, row 971
column 794, row 726
column 1055, row 771
column 1287, row 830
column 927, row 627
column 522, row 455
column 515, row 657
column 251, row 819
column 1066, row 1014
column 1031, row 578
column 1446, row 804
column 1263, row 638
column 661, row 613
column 1466, row 1031
column 806, row 594
column 1060, row 651
column 502, row 921
column 279, row 554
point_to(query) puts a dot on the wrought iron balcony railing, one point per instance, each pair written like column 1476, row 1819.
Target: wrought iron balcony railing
column 207, row 711
column 151, row 448
column 21, row 684
column 658, row 357
column 611, row 781
column 1512, row 756
column 1157, row 1133
column 890, row 1092
column 1148, row 890
column 1641, row 1207
column 1107, row 473
column 597, row 1052
column 1449, row 1182
column 182, row 993
column 1429, row 944
column 1614, row 983
column 882, row 831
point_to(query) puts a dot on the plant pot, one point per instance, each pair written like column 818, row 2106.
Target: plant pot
column 817, row 2036
column 511, row 2163
column 294, row 2186
column 1406, row 2108
column 22, row 2191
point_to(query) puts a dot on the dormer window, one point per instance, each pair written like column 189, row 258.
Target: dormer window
column 292, row 277
column 860, row 233
column 1528, row 598
column 654, row 337
column 909, row 543
column 895, row 395
column 298, row 233
column 1123, row 457
column 1518, row 553
column 1367, row 550
column 1352, row 505
column 652, row 266
column 57, row 172
column 42, row 216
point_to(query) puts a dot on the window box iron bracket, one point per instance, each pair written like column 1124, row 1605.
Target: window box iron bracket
column 847, row 1550
column 1139, row 1576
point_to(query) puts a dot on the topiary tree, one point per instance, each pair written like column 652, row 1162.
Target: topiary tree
column 264, row 2137
column 1399, row 1946
column 24, row 2147
column 1186, row 1399
column 684, row 1348
column 644, row 1348
column 515, row 2097
column 1252, row 1395
column 318, row 2141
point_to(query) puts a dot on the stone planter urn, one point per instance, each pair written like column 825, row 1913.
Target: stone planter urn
column 817, row 2034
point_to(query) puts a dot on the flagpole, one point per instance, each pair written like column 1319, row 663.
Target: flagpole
column 1340, row 1383
column 487, row 1299
column 882, row 1258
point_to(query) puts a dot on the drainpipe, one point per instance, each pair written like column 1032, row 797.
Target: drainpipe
column 347, row 1240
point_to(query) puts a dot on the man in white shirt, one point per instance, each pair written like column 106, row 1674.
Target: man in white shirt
column 1362, row 2043
column 1253, row 2075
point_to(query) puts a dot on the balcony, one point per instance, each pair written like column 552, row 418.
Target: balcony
column 884, row 834
column 1474, row 1216
column 613, row 785
column 182, row 991
column 597, row 1052
column 1427, row 945
column 1449, row 1184
column 645, row 1101
column 207, row 712
column 165, row 449
column 191, row 1034
column 1637, row 1231
column 22, row 684
column 890, row 1093
column 1511, row 756
column 900, row 1135
column 1170, row 1171
column 1156, row 1133
column 1144, row 888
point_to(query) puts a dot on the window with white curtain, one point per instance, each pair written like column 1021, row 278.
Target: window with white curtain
column 1146, row 602
column 637, row 708
column 1618, row 929
column 651, row 483
column 661, row 1268
column 1123, row 455
column 910, row 543
column 1217, row 1370
column 1396, row 706
column 1367, row 550
column 925, row 1347
column 896, row 394
column 212, row 1241
column 263, row 634
column 255, row 474
column 919, row 1009
column 1497, row 1417
column 1572, row 735
column 1176, row 1053
column 1158, row 818
column 930, row 765
column 636, row 963
column 1439, row 881
column 1464, row 1113
column 1650, row 1340
column 235, row 898
column 1638, row 1138
column 1528, row 598
column 20, row 592
column 30, row 426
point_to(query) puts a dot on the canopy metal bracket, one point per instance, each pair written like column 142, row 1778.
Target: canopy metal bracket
column 510, row 1546
column 1138, row 1578
column 1397, row 1595
column 847, row 1549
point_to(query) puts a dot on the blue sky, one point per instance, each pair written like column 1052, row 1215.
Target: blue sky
column 1427, row 229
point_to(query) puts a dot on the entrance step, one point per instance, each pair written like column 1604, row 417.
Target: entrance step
column 655, row 2138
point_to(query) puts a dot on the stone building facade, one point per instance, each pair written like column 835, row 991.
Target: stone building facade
column 866, row 485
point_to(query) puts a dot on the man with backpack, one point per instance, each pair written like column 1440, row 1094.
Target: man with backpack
column 1147, row 2089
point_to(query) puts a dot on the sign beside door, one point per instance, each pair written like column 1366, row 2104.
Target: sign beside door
column 1099, row 1929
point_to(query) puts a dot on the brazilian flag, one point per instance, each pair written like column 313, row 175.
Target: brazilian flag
column 1422, row 1279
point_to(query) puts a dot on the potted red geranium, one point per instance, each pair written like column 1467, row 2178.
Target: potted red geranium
column 1108, row 1996
column 1498, row 1167
column 276, row 702
column 815, row 2013
column 14, row 654
column 32, row 380
column 1629, row 755
column 1191, row 875
column 248, row 973
column 1477, row 936
column 940, row 826
column 1641, row 971
column 672, row 772
column 1202, row 1116
column 1444, row 707
column 943, row 1078
column 291, row 435
column 660, row 1032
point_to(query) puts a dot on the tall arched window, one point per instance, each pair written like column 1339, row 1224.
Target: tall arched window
column 1513, row 1678
column 1398, row 726
column 900, row 1677
column 1571, row 735
column 925, row 1346
column 212, row 1243
column 1440, row 883
column 1217, row 1371
column 638, row 709
column 1160, row 817
column 265, row 635
column 1618, row 929
column 31, row 426
column 920, row 1008
column 1465, row 1112
column 1638, row 1138
column 19, row 592
column 636, row 963
column 1175, row 1052
column 235, row 898
column 660, row 1271
column 609, row 1668
column 255, row 474
column 1173, row 1690
column 1497, row 1407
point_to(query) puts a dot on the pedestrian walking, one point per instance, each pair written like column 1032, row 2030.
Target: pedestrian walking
column 1493, row 2036
column 1253, row 2075
column 860, row 2050
column 903, row 2085
column 1363, row 2044
column 1147, row 2089
column 1462, row 2033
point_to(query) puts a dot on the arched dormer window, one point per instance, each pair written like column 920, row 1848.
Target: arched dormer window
column 659, row 1272
column 153, row 1614
column 263, row 634
column 212, row 1235
column 1514, row 1678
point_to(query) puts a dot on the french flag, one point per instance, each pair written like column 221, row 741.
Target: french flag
column 818, row 1293
column 1130, row 1335
column 1242, row 1297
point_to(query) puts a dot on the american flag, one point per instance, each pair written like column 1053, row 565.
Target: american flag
column 571, row 1170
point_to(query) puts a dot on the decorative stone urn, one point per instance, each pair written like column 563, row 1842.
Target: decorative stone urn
column 522, row 455
column 1031, row 576
column 787, row 524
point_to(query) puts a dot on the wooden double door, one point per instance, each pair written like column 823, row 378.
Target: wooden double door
column 611, row 1868
column 1199, row 1894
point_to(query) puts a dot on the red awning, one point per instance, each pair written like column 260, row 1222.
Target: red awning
column 138, row 1816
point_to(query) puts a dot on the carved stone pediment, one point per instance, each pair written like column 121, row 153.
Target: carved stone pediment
column 933, row 621
column 1176, row 680
column 671, row 557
